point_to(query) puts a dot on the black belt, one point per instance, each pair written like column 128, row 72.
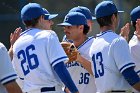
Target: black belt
column 117, row 91
column 45, row 89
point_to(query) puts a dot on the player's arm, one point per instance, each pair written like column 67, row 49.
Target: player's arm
column 132, row 78
column 13, row 37
column 65, row 77
column 12, row 87
column 85, row 63
column 125, row 65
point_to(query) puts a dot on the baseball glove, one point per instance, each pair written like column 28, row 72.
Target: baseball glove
column 70, row 50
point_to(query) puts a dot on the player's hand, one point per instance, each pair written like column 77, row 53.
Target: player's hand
column 125, row 31
column 137, row 32
column 13, row 37
column 66, row 90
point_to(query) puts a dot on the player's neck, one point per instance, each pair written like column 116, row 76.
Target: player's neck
column 105, row 28
column 80, row 41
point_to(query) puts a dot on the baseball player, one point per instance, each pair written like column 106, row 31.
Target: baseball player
column 112, row 65
column 38, row 56
column 134, row 43
column 7, row 73
column 88, row 15
column 85, row 11
column 76, row 30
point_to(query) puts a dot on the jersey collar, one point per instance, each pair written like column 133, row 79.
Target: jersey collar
column 104, row 32
column 27, row 30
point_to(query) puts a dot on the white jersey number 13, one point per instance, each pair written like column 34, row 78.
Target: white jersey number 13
column 98, row 65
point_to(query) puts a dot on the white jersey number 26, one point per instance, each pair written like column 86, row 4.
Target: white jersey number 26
column 29, row 60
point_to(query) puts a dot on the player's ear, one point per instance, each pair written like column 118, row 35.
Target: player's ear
column 40, row 19
column 113, row 18
column 81, row 27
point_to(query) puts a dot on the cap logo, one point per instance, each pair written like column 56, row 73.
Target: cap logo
column 66, row 19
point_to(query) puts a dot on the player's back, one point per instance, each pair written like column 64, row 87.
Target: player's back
column 107, row 65
column 32, row 60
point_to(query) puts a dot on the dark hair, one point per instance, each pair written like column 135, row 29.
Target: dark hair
column 106, row 20
column 86, row 29
column 32, row 22
column 134, row 25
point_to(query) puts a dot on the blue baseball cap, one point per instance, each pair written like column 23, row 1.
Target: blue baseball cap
column 34, row 10
column 74, row 18
column 135, row 14
column 48, row 16
column 83, row 10
column 105, row 8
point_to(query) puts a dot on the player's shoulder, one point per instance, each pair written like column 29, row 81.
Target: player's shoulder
column 119, row 40
column 134, row 41
column 89, row 40
column 47, row 33
column 87, row 43
column 2, row 47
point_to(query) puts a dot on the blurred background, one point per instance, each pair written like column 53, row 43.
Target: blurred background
column 10, row 14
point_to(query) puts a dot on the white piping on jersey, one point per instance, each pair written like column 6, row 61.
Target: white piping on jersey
column 138, row 72
column 27, row 31
column 126, row 66
column 10, row 77
column 102, row 33
column 58, row 59
column 89, row 38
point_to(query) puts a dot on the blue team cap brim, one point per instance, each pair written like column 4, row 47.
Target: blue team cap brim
column 64, row 24
column 50, row 16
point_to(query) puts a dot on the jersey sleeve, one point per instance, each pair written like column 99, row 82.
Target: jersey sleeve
column 7, row 72
column 122, row 54
column 56, row 53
